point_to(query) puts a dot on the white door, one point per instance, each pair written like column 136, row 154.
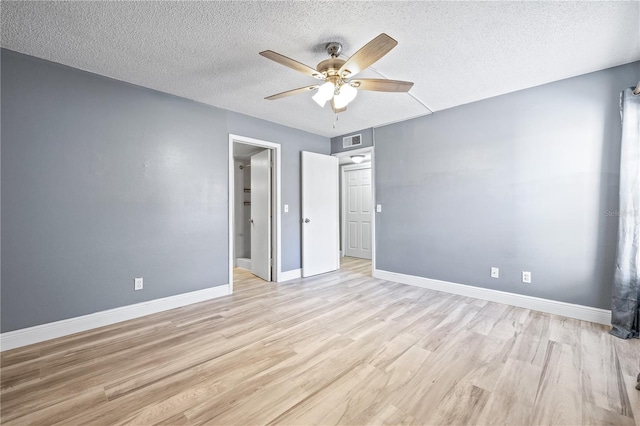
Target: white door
column 357, row 184
column 261, row 214
column 320, row 240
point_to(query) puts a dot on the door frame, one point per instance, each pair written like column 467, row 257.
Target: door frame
column 366, row 150
column 343, row 198
column 276, row 221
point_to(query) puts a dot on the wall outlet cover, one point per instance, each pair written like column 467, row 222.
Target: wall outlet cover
column 138, row 284
column 526, row 277
column 495, row 272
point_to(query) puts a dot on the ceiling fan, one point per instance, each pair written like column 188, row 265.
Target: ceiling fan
column 339, row 87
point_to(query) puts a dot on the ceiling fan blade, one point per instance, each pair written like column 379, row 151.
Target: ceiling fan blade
column 381, row 85
column 337, row 110
column 367, row 55
column 292, row 92
column 288, row 62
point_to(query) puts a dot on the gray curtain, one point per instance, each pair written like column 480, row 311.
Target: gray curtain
column 625, row 309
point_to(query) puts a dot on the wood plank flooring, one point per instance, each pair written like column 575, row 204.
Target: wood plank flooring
column 339, row 348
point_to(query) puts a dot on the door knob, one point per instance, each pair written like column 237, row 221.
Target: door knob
column 306, row 220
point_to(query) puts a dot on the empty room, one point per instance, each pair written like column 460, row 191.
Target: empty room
column 316, row 213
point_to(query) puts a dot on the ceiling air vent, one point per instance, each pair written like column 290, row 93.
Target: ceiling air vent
column 351, row 141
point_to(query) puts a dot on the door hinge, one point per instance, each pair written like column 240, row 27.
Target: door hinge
column 271, row 262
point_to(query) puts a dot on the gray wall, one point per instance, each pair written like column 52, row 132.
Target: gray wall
column 103, row 181
column 523, row 181
column 367, row 140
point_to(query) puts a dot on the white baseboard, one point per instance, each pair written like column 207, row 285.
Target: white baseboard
column 585, row 313
column 40, row 333
column 290, row 275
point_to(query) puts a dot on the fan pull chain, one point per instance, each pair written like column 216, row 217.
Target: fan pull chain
column 335, row 122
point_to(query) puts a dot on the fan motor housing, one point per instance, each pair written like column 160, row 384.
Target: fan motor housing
column 330, row 66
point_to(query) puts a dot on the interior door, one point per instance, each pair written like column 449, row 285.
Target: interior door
column 357, row 208
column 261, row 214
column 320, row 238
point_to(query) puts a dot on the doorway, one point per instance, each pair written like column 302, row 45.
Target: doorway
column 357, row 210
column 254, row 217
column 357, row 204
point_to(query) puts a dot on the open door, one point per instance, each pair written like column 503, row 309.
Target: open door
column 261, row 214
column 320, row 215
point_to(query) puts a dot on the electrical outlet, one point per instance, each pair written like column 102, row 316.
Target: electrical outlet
column 137, row 284
column 495, row 272
column 526, row 277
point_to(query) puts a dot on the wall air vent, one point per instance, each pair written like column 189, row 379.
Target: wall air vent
column 351, row 141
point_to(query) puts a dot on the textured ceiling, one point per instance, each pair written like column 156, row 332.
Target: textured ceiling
column 455, row 52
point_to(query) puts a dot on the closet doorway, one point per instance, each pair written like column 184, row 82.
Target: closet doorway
column 254, row 220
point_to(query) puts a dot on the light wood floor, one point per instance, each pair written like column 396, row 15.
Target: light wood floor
column 340, row 348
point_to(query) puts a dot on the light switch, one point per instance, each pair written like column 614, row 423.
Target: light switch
column 286, row 208
column 378, row 208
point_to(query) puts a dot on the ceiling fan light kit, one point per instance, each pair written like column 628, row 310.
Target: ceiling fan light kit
column 325, row 93
column 346, row 93
column 336, row 73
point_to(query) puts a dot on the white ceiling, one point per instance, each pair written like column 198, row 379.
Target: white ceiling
column 455, row 52
column 243, row 151
column 348, row 160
